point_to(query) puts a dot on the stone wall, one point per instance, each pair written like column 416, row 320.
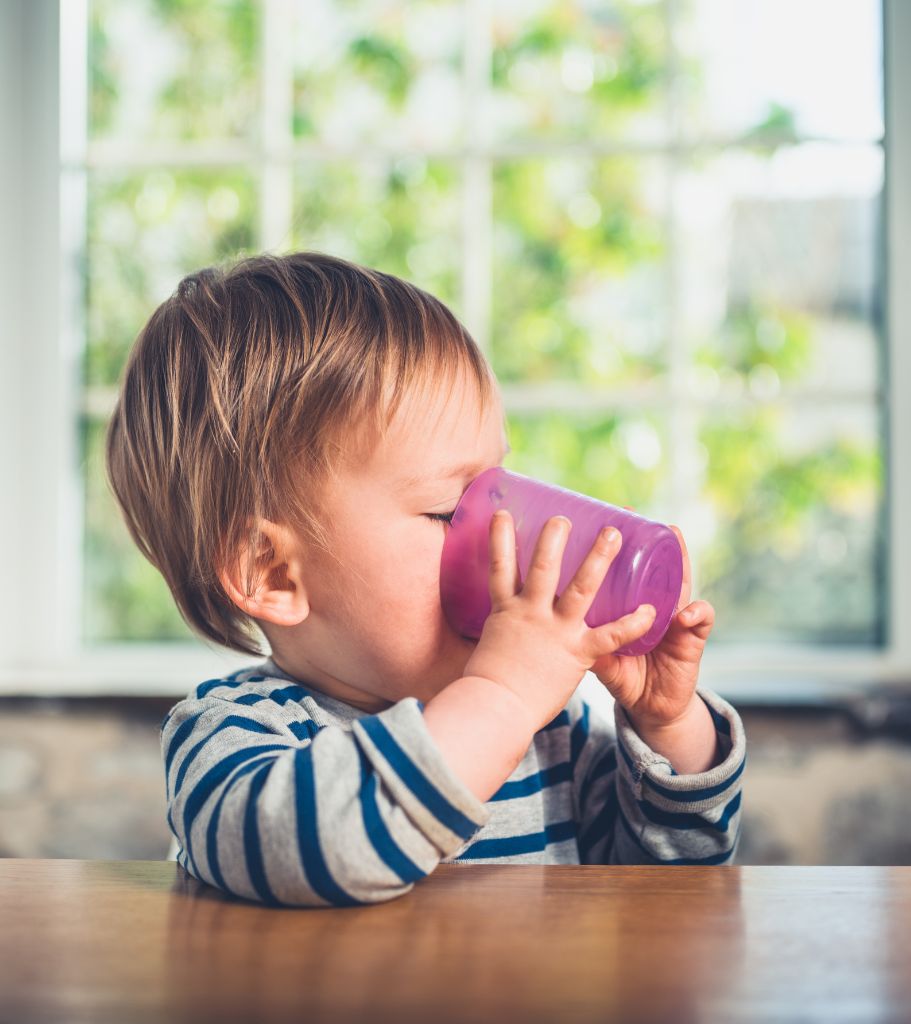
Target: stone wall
column 83, row 779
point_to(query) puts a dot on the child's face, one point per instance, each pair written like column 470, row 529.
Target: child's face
column 376, row 631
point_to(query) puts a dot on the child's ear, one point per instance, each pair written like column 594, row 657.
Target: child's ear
column 277, row 586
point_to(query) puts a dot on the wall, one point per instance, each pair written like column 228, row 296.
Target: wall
column 83, row 779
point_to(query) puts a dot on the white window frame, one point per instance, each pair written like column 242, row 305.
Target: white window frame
column 42, row 203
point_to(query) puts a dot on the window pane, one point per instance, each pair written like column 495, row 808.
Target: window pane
column 809, row 66
column 578, row 69
column 772, row 258
column 578, row 279
column 779, row 269
column 124, row 596
column 618, row 459
column 400, row 216
column 146, row 230
column 378, row 71
column 173, row 69
column 788, row 533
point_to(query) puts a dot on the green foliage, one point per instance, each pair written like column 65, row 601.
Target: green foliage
column 384, row 64
column 399, row 216
column 126, row 597
column 553, row 273
column 793, row 499
column 778, row 124
column 761, row 334
column 210, row 48
column 144, row 232
column 796, row 549
column 625, row 44
column 587, row 453
column 367, row 81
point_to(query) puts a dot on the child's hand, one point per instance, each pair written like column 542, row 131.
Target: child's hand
column 657, row 689
column 536, row 645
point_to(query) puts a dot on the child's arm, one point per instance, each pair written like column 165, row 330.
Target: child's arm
column 482, row 730
column 633, row 807
column 270, row 806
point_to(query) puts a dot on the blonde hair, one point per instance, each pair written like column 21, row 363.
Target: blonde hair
column 235, row 397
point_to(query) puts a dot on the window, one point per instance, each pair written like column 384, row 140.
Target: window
column 667, row 222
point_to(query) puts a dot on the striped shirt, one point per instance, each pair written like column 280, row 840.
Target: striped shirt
column 281, row 794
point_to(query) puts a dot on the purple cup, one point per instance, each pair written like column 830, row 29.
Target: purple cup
column 648, row 569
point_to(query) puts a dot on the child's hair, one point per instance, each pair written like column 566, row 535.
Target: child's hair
column 237, row 392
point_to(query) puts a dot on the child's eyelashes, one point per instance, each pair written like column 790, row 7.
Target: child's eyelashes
column 440, row 517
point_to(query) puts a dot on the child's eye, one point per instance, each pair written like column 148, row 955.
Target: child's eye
column 440, row 517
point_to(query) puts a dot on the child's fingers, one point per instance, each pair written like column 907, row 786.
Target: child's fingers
column 607, row 638
column 546, row 561
column 504, row 571
column 580, row 592
column 699, row 617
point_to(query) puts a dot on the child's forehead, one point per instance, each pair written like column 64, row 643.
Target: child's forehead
column 438, row 403
column 432, row 424
column 442, row 413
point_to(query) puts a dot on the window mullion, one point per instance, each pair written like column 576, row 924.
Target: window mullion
column 119, row 154
column 897, row 81
column 276, row 170
column 14, row 198
column 477, row 201
column 73, row 136
column 44, row 542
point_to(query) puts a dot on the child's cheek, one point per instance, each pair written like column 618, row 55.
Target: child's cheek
column 412, row 560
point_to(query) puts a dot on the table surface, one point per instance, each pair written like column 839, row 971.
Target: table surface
column 133, row 941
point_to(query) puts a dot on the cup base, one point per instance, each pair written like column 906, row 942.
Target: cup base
column 660, row 581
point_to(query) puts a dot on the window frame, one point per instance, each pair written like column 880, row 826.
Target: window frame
column 42, row 210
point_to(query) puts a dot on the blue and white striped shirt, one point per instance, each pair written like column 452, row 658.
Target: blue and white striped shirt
column 281, row 794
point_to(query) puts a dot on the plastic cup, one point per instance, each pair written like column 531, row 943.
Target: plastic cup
column 648, row 569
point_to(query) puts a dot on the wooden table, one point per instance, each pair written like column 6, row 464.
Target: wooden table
column 135, row 941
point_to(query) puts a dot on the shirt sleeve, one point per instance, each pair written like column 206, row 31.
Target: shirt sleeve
column 633, row 808
column 267, row 805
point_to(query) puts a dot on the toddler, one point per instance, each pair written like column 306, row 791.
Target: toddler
column 291, row 438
